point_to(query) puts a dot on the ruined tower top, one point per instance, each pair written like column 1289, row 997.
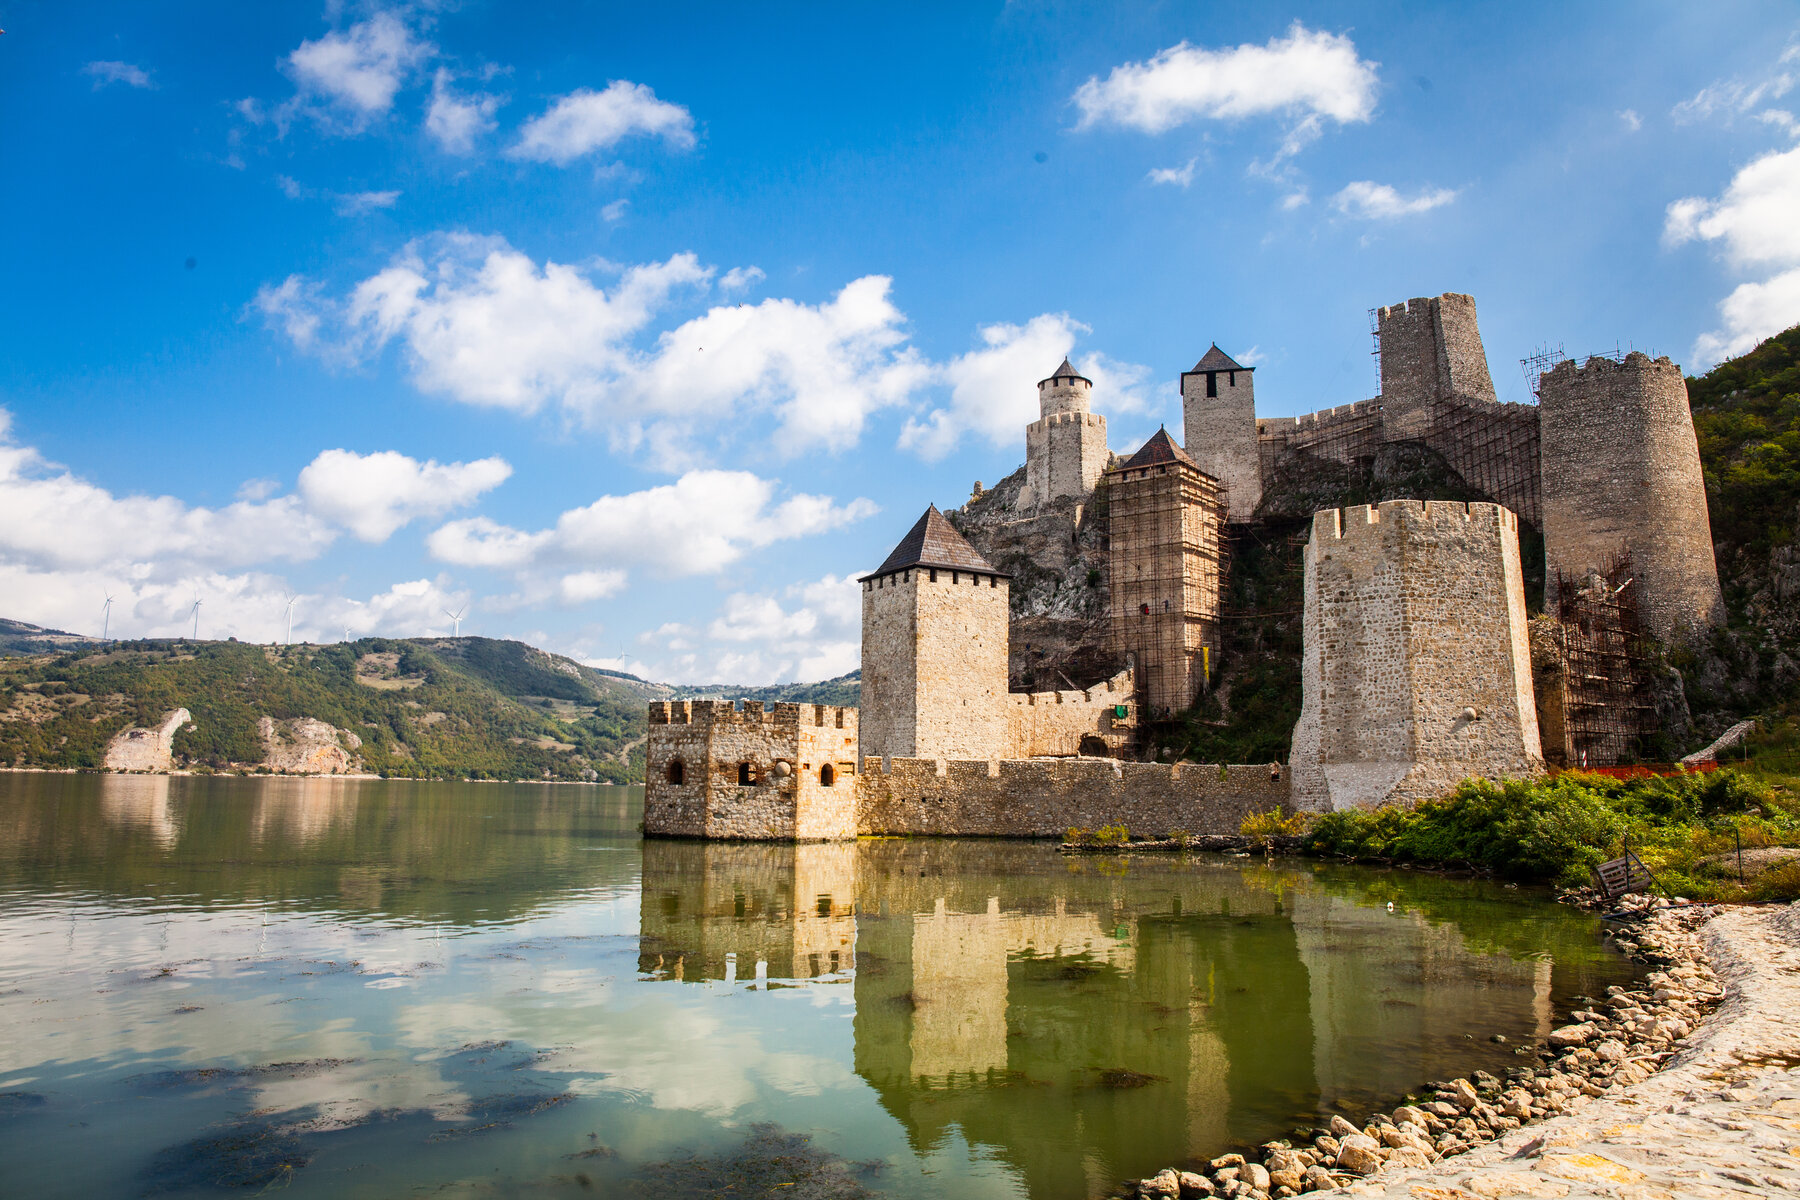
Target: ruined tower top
column 1066, row 391
column 1430, row 351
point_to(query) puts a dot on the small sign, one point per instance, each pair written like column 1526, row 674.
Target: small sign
column 1119, row 711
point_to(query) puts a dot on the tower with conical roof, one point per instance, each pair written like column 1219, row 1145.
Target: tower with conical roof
column 1065, row 448
column 934, row 644
column 1165, row 523
column 1218, row 409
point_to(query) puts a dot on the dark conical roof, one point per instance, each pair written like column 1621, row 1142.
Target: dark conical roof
column 934, row 542
column 1158, row 450
column 1217, row 360
column 1066, row 371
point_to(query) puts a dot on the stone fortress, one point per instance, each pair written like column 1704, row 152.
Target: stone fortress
column 1420, row 667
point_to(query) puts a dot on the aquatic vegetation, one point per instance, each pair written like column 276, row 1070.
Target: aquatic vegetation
column 770, row 1163
column 253, row 1154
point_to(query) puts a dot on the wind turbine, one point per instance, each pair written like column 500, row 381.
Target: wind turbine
column 106, row 617
column 346, row 633
column 290, row 620
column 457, row 617
column 196, row 616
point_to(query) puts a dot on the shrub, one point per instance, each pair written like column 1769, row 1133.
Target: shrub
column 1261, row 827
column 1112, row 835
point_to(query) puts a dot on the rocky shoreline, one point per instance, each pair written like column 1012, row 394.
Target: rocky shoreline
column 1607, row 1048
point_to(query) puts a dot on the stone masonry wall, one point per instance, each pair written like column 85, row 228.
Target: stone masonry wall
column 1061, row 724
column 1065, row 454
column 934, row 664
column 755, row 773
column 1044, row 798
column 1417, row 672
column 1430, row 350
column 1219, row 433
column 1621, row 473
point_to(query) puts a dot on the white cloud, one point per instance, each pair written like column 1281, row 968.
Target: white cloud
column 993, row 389
column 1756, row 222
column 1758, row 217
column 584, row 587
column 484, row 324
column 359, row 69
column 1372, row 201
column 700, row 524
column 757, row 639
column 585, row 121
column 1632, row 121
column 372, row 495
column 1731, row 97
column 56, row 519
column 740, row 279
column 1180, row 176
column 352, row 204
column 1781, row 119
column 1307, row 75
column 118, row 72
column 455, row 120
column 1753, row 312
column 615, row 210
column 1295, row 199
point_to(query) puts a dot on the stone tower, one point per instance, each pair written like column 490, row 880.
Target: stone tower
column 1065, row 449
column 1621, row 476
column 1218, row 410
column 1165, row 517
column 1417, row 671
column 1430, row 350
column 934, row 642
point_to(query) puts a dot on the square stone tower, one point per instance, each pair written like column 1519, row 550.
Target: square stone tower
column 1065, row 450
column 1417, row 672
column 1621, row 476
column 1165, row 518
column 1430, row 350
column 934, row 642
column 1218, row 416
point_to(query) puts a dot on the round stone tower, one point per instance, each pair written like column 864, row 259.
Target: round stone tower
column 1621, row 476
column 1065, row 449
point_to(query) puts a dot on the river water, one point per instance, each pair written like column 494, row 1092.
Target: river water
column 347, row 988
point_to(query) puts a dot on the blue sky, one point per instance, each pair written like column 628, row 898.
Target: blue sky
column 637, row 331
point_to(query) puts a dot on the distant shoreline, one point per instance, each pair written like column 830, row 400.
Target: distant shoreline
column 357, row 777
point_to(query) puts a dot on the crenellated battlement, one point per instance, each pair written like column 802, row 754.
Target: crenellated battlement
column 1056, row 420
column 751, row 712
column 1366, row 524
column 1599, row 365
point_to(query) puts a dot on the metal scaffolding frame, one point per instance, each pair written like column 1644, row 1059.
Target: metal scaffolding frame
column 1609, row 711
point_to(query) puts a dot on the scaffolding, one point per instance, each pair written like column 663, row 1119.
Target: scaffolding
column 1494, row 447
column 1375, row 336
column 1168, row 558
column 1608, row 711
column 1539, row 364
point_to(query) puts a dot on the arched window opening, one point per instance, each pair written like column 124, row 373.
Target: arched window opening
column 746, row 776
column 677, row 772
column 828, row 775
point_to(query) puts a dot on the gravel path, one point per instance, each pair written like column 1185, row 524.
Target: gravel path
column 1721, row 1120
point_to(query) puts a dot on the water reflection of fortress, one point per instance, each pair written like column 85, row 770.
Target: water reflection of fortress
column 986, row 987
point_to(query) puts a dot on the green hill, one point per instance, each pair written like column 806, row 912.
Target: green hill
column 845, row 691
column 470, row 707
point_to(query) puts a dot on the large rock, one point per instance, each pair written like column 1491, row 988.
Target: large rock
column 147, row 749
column 1359, row 1154
column 303, row 745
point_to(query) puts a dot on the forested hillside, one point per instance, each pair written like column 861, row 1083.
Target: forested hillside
column 463, row 707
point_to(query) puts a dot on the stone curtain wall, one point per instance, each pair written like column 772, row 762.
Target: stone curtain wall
column 934, row 664
column 1065, row 454
column 786, row 750
column 1343, row 434
column 1044, row 798
column 1219, row 433
column 1165, row 523
column 1493, row 446
column 1056, row 724
column 1416, row 673
column 1622, row 473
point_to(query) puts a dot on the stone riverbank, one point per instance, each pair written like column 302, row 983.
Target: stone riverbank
column 1688, row 1086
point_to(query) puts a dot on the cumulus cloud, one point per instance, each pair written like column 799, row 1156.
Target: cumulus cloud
column 360, row 68
column 1372, row 201
column 1179, row 176
column 1631, row 119
column 372, row 495
column 484, row 324
column 56, row 519
column 1308, row 76
column 810, row 632
column 700, row 524
column 456, row 120
column 129, row 74
column 585, row 121
column 1754, row 222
